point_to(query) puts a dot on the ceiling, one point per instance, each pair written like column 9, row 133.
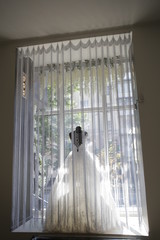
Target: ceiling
column 22, row 19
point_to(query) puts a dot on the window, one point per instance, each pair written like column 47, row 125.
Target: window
column 93, row 186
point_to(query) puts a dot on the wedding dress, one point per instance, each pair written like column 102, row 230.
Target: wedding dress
column 80, row 200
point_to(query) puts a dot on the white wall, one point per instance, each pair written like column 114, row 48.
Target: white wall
column 147, row 64
column 147, row 52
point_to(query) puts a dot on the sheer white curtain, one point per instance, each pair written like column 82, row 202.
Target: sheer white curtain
column 97, row 187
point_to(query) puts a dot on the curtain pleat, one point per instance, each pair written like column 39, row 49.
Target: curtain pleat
column 31, row 94
column 25, row 137
column 94, row 189
column 51, row 128
column 19, row 197
column 77, row 164
column 37, row 140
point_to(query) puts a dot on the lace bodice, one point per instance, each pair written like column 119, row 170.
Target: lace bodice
column 78, row 137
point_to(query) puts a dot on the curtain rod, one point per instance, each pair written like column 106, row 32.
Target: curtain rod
column 69, row 36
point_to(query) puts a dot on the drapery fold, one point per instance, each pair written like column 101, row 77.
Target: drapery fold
column 100, row 188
